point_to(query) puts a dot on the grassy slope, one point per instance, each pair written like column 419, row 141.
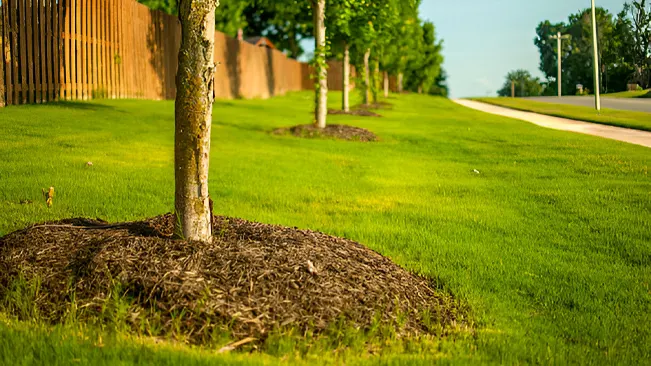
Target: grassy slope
column 613, row 117
column 549, row 244
column 630, row 94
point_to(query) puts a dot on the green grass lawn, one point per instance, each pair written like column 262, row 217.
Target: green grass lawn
column 550, row 244
column 630, row 94
column 613, row 117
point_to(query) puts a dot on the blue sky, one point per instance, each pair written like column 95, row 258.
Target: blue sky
column 485, row 39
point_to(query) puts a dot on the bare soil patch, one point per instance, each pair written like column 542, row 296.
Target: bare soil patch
column 354, row 112
column 252, row 279
column 341, row 132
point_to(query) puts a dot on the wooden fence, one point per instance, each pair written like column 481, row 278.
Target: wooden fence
column 84, row 49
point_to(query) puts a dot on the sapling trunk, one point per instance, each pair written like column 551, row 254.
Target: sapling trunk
column 321, row 110
column 367, row 77
column 386, row 84
column 346, row 79
column 193, row 118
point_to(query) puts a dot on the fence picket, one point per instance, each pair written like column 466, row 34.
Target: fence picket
column 42, row 41
column 15, row 51
column 102, row 49
column 47, row 62
column 5, row 87
column 58, row 67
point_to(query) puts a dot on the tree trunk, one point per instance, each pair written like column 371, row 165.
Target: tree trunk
column 401, row 77
column 193, row 118
column 321, row 110
column 376, row 81
column 420, row 90
column 293, row 45
column 346, row 79
column 367, row 77
column 386, row 84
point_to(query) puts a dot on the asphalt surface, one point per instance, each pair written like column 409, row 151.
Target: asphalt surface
column 626, row 104
column 611, row 132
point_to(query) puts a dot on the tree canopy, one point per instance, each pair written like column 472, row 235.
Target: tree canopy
column 624, row 49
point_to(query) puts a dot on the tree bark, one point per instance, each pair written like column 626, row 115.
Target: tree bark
column 321, row 110
column 401, row 77
column 386, row 84
column 367, row 77
column 193, row 119
column 346, row 79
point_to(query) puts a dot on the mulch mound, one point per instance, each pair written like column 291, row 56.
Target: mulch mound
column 378, row 105
column 252, row 279
column 341, row 132
column 354, row 112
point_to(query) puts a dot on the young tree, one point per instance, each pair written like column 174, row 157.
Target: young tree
column 397, row 40
column 367, row 26
column 386, row 17
column 362, row 27
column 193, row 119
column 407, row 41
column 340, row 16
column 423, row 71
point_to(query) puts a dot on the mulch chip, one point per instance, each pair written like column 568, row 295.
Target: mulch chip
column 253, row 278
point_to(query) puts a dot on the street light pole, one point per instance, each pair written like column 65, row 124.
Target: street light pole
column 558, row 37
column 597, row 100
column 560, row 68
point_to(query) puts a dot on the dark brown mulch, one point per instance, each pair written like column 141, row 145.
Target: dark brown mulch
column 354, row 112
column 253, row 278
column 341, row 132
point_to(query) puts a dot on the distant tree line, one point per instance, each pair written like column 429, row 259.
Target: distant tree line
column 624, row 52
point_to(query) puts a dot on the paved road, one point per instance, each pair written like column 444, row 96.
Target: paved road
column 616, row 133
column 627, row 104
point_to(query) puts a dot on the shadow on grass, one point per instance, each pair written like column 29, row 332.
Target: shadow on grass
column 87, row 106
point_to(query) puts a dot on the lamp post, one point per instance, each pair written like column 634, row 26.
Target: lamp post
column 558, row 37
column 597, row 100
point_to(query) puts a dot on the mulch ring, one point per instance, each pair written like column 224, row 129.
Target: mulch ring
column 341, row 132
column 354, row 112
column 377, row 105
column 252, row 279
